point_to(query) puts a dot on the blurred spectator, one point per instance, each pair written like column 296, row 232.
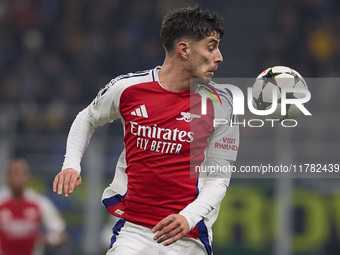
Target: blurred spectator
column 28, row 220
column 304, row 37
column 56, row 54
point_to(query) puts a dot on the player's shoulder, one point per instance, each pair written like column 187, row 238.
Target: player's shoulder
column 221, row 95
column 222, row 101
column 129, row 79
column 42, row 201
column 117, row 85
column 35, row 197
column 5, row 194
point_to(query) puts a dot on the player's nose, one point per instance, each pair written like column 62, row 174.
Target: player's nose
column 219, row 57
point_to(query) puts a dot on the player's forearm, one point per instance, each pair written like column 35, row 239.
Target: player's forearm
column 78, row 139
column 209, row 198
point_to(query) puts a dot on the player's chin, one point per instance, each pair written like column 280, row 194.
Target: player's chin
column 208, row 75
column 205, row 79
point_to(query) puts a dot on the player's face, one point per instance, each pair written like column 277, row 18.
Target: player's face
column 17, row 177
column 205, row 57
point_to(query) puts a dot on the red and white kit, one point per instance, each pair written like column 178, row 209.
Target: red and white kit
column 166, row 136
column 22, row 220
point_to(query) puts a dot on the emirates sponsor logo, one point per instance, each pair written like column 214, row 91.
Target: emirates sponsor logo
column 168, row 141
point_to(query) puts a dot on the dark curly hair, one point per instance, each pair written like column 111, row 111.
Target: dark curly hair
column 191, row 22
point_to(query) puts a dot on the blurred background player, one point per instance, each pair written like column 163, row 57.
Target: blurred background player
column 28, row 220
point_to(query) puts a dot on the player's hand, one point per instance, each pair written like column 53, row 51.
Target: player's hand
column 69, row 179
column 171, row 228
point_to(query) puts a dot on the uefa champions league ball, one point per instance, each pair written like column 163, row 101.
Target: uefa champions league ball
column 277, row 77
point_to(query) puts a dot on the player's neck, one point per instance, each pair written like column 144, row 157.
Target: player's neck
column 172, row 76
column 17, row 196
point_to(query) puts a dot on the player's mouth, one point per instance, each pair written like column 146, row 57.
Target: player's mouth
column 211, row 72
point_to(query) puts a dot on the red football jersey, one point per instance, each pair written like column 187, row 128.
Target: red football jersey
column 166, row 136
column 20, row 220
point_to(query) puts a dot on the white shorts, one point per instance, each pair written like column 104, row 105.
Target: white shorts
column 132, row 239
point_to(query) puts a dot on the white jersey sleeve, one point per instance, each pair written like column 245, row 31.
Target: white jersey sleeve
column 52, row 222
column 221, row 151
column 224, row 142
column 77, row 141
column 103, row 109
column 212, row 189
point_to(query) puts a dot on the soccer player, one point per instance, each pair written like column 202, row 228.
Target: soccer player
column 157, row 190
column 24, row 214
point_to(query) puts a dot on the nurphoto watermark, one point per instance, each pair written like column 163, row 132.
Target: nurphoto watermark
column 273, row 104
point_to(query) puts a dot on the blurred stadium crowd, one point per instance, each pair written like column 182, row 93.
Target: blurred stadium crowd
column 59, row 53
column 305, row 35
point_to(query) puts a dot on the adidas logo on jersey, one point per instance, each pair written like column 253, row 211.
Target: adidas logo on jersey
column 140, row 111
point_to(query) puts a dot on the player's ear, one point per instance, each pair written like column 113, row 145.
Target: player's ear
column 182, row 49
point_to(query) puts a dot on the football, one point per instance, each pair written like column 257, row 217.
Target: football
column 277, row 78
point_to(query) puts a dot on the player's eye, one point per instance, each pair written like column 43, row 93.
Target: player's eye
column 211, row 48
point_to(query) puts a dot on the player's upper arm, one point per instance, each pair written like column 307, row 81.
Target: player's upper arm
column 224, row 142
column 105, row 107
